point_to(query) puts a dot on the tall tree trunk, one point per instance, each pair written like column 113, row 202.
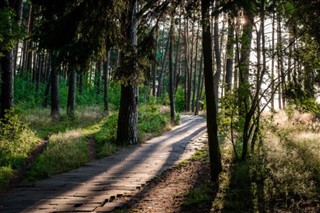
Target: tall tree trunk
column 272, row 60
column 19, row 13
column 46, row 92
column 212, row 126
column 127, row 132
column 163, row 67
column 7, row 63
column 244, row 86
column 97, row 76
column 217, row 54
column 229, row 54
column 191, row 57
column 187, row 68
column 177, row 60
column 106, row 83
column 55, row 100
column 154, row 65
column 281, row 74
column 195, row 70
column 71, row 104
column 171, row 74
column 80, row 87
column 200, row 85
column 7, row 81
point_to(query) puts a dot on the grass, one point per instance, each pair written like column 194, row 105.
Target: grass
column 43, row 125
column 68, row 148
column 198, row 196
column 198, row 155
column 65, row 151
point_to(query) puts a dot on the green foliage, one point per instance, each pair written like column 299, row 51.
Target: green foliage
column 150, row 119
column 10, row 31
column 6, row 174
column 164, row 100
column 25, row 93
column 180, row 99
column 107, row 135
column 304, row 105
column 16, row 140
column 200, row 154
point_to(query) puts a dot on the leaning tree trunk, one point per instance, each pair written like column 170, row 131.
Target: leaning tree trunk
column 212, row 126
column 127, row 132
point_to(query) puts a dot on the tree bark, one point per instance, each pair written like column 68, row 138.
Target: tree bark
column 97, row 76
column 154, row 65
column 200, row 85
column 6, row 67
column 171, row 74
column 217, row 54
column 46, row 92
column 163, row 67
column 230, row 55
column 55, row 100
column 106, row 83
column 212, row 126
column 127, row 132
column 272, row 60
column 195, row 70
column 244, row 86
column 71, row 104
column 187, row 68
column 177, row 58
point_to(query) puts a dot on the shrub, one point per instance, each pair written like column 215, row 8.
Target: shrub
column 6, row 174
column 16, row 140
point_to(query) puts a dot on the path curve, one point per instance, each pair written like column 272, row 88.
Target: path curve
column 93, row 187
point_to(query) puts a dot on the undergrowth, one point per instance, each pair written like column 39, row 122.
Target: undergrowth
column 282, row 175
column 16, row 141
column 68, row 148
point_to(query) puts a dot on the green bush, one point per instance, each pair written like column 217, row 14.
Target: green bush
column 6, row 174
column 151, row 120
column 180, row 99
column 107, row 135
column 16, row 140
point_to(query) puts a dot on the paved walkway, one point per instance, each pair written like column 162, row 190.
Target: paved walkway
column 92, row 188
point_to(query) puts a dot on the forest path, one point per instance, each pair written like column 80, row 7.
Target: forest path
column 93, row 187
